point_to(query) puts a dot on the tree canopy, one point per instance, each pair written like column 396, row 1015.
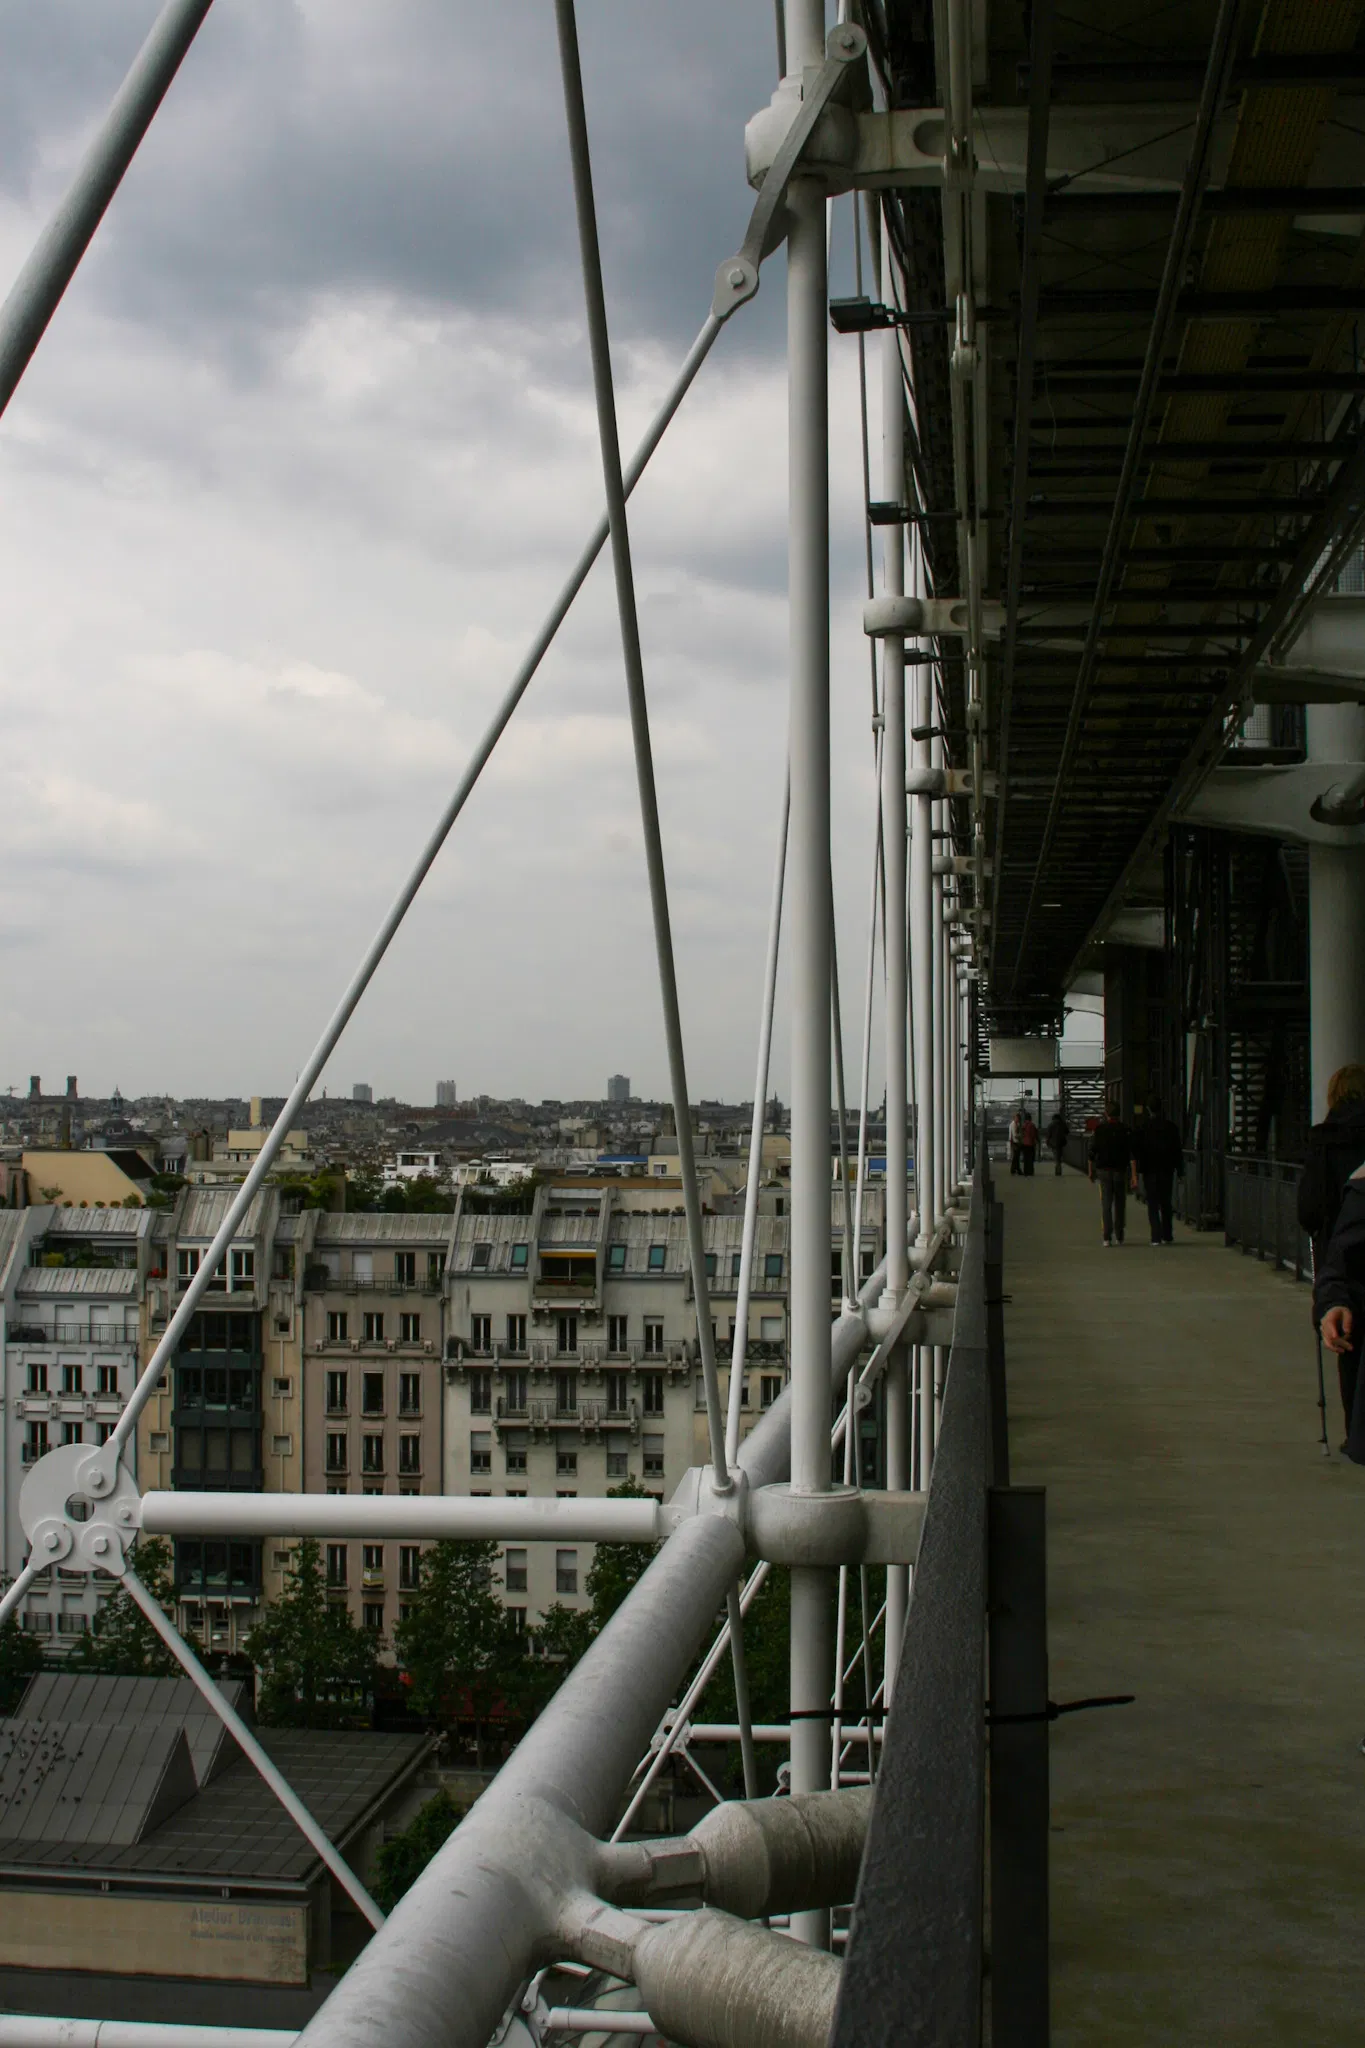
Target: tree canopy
column 316, row 1665
column 21, row 1656
column 121, row 1642
column 458, row 1646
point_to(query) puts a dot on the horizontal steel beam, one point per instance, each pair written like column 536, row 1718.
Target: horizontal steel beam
column 1197, row 305
column 1186, row 75
column 1073, row 206
column 1065, row 382
column 1259, row 506
column 417, row 1517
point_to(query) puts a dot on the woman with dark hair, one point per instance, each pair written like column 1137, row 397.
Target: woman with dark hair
column 1336, row 1147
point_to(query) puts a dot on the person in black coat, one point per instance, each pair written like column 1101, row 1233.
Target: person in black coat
column 1339, row 1307
column 1336, row 1147
column 1160, row 1156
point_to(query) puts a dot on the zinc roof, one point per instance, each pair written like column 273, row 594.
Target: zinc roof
column 87, row 1280
column 380, row 1228
column 101, row 1223
column 151, row 1702
column 205, row 1209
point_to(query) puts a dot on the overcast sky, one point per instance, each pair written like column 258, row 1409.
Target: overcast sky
column 284, row 495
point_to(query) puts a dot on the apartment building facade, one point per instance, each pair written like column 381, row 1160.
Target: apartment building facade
column 73, row 1284
column 572, row 1361
column 374, row 1323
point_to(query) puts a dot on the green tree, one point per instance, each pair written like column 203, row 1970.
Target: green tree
column 402, row 1860
column 20, row 1657
column 616, row 1566
column 121, row 1642
column 456, row 1643
column 316, row 1666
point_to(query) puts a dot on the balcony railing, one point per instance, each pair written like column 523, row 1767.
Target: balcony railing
column 68, row 1333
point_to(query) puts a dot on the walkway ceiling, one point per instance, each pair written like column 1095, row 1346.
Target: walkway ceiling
column 1195, row 454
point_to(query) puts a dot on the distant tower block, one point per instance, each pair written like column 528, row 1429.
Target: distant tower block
column 618, row 1088
column 35, row 1088
column 447, row 1095
column 71, row 1090
column 362, row 1092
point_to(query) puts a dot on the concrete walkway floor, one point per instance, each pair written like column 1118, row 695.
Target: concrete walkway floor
column 1208, row 1844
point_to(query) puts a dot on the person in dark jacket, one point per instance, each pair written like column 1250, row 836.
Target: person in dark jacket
column 1339, row 1306
column 1111, row 1164
column 1336, row 1147
column 1160, row 1157
column 1058, row 1131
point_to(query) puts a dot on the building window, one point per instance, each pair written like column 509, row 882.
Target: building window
column 336, row 1564
column 652, row 1389
column 566, row 1571
column 336, row 1393
column 566, row 1393
column 769, row 1389
column 480, row 1450
column 616, row 1258
column 409, row 1567
column 243, row 1268
column 35, row 1442
column 37, row 1376
column 654, row 1336
column 160, row 1440
column 282, row 1389
column 566, row 1464
column 618, row 1393
column 409, row 1453
column 867, row 1263
column 568, row 1334
column 372, row 1454
column 372, row 1563
column 405, row 1269
column 436, row 1266
column 336, row 1326
column 516, row 1335
column 72, row 1624
column 372, row 1326
column 186, row 1265
column 521, row 1257
column 372, row 1615
column 770, row 1329
column 103, row 1432
column 657, row 1254
column 514, row 1571
column 654, row 1457
column 409, row 1329
column 515, row 1452
column 772, row 1265
column 282, row 1446
column 710, row 1265
column 73, row 1379
column 514, row 1400
column 337, row 1460
column 73, row 1433
column 735, row 1261
column 481, row 1393
column 481, row 1334
column 616, row 1333
column 372, row 1393
column 618, row 1459
column 409, row 1393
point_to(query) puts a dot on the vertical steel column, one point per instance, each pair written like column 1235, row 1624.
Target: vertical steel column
column 938, row 814
column 922, row 1001
column 812, row 1640
column 1336, row 914
column 894, row 829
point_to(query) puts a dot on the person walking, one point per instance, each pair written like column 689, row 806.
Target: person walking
column 1058, row 1131
column 1160, row 1157
column 1336, row 1147
column 1111, row 1164
column 1028, row 1142
column 1016, row 1141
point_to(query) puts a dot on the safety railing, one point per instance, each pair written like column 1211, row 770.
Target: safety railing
column 1260, row 1212
column 913, row 1969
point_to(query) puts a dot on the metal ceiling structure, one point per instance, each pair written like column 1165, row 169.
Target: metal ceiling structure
column 1165, row 445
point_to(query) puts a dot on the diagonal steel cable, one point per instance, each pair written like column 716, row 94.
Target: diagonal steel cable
column 251, row 1749
column 599, row 347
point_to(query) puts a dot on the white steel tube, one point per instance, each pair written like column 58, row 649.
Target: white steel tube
column 810, row 923
column 939, row 811
column 921, row 941
column 628, row 615
column 251, row 1749
column 98, row 1474
column 35, row 2030
column 37, row 292
column 419, row 1517
column 895, row 826
column 740, row 1342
